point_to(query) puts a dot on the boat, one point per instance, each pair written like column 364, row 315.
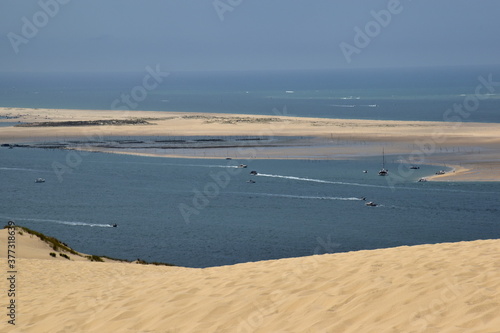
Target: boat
column 242, row 166
column 414, row 167
column 371, row 204
column 251, row 181
column 421, row 180
column 383, row 171
column 114, row 225
column 440, row 172
column 39, row 180
column 253, row 172
column 365, row 171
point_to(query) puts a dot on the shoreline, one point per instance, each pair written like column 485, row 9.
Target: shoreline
column 472, row 149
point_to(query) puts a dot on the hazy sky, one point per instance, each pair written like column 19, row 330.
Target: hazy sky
column 128, row 35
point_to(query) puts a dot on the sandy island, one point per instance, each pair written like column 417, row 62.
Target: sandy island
column 472, row 150
column 450, row 287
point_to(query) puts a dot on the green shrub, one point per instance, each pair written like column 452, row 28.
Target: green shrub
column 144, row 262
column 54, row 242
column 94, row 258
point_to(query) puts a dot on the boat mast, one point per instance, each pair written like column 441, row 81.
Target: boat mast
column 383, row 159
column 383, row 171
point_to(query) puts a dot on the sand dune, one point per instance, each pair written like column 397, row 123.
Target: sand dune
column 32, row 247
column 452, row 287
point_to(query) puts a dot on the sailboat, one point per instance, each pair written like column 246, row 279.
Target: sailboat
column 383, row 171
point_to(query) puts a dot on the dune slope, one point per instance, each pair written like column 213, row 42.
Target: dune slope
column 452, row 287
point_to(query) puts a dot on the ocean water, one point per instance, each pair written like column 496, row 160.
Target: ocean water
column 387, row 94
column 202, row 212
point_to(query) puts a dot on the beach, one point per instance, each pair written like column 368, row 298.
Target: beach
column 471, row 150
column 450, row 287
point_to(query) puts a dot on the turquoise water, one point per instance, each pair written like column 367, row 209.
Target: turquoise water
column 403, row 94
column 294, row 208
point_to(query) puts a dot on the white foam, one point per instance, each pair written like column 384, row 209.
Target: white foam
column 318, row 180
column 368, row 185
column 72, row 223
column 291, row 196
column 22, row 169
column 343, row 105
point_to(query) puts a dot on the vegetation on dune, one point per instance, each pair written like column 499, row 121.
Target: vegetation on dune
column 95, row 258
column 143, row 262
column 57, row 245
column 53, row 242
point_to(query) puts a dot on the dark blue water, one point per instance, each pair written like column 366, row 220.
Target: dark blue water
column 387, row 94
column 202, row 213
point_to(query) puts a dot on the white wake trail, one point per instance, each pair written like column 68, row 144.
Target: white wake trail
column 318, row 180
column 291, row 196
column 72, row 223
column 22, row 169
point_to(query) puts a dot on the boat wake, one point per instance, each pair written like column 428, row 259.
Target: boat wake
column 370, row 185
column 343, row 105
column 318, row 180
column 233, row 165
column 72, row 223
column 205, row 165
column 22, row 169
column 291, row 196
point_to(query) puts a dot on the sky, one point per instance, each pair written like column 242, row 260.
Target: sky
column 213, row 35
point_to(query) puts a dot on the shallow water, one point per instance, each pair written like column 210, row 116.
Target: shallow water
column 8, row 123
column 294, row 208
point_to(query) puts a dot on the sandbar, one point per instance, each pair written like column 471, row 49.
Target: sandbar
column 471, row 150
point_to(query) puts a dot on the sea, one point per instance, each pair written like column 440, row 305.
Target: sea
column 211, row 212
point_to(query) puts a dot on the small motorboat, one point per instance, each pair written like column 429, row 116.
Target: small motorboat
column 422, row 180
column 414, row 167
column 365, row 171
column 371, row 204
column 242, row 166
column 39, row 180
column 251, row 181
column 253, row 172
column 228, row 158
column 440, row 172
column 363, row 198
column 114, row 225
